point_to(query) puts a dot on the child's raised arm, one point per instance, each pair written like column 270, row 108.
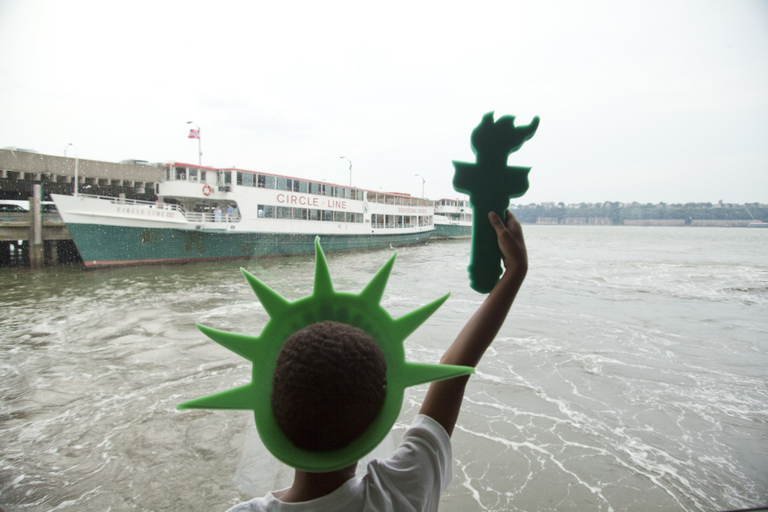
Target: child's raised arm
column 443, row 400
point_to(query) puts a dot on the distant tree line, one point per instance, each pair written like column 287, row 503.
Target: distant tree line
column 619, row 212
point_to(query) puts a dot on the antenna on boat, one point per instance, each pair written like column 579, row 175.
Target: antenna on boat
column 422, row 184
column 350, row 169
column 195, row 134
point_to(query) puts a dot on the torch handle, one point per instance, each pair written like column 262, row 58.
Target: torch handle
column 485, row 258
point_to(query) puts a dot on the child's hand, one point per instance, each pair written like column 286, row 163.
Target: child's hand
column 511, row 243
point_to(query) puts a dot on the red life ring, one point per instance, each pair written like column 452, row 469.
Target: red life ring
column 207, row 190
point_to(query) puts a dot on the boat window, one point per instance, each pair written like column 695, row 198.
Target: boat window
column 327, row 215
column 261, row 180
column 314, row 188
column 280, row 183
column 302, row 186
column 181, row 173
column 247, row 179
column 270, row 182
column 284, row 212
column 202, row 176
column 296, row 187
column 168, row 174
column 192, row 174
column 300, row 213
column 269, row 211
column 314, row 214
column 239, row 178
column 227, row 178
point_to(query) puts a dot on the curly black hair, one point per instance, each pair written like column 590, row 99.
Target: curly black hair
column 329, row 385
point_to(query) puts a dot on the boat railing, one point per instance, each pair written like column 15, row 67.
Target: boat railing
column 189, row 216
column 210, row 217
column 136, row 202
column 393, row 225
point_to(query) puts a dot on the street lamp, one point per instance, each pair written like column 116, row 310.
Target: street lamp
column 422, row 184
column 350, row 169
column 196, row 135
column 76, row 159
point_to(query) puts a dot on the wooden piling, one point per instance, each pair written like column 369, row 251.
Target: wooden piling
column 36, row 247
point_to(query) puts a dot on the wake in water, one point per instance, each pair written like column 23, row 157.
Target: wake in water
column 630, row 376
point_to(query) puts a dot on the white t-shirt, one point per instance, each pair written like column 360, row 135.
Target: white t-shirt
column 412, row 479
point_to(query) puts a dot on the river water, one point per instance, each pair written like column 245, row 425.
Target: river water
column 631, row 374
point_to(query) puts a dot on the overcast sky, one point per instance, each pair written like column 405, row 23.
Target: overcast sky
column 639, row 100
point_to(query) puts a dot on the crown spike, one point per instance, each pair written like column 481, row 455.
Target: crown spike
column 420, row 373
column 240, row 398
column 241, row 344
column 274, row 304
column 374, row 290
column 409, row 322
column 323, row 284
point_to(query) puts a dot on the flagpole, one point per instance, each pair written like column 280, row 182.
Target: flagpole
column 199, row 144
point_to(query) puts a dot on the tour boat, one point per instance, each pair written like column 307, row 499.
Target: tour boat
column 205, row 213
column 453, row 219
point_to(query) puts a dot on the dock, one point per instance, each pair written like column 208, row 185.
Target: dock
column 18, row 232
column 36, row 238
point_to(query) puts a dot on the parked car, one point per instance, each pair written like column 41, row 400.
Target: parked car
column 14, row 206
column 7, row 205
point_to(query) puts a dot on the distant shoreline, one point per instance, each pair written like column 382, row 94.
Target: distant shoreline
column 651, row 223
column 619, row 214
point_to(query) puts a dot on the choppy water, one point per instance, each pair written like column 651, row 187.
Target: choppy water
column 632, row 374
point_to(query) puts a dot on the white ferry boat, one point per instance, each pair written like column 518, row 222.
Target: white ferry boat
column 205, row 213
column 453, row 219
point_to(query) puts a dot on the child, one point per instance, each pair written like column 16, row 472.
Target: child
column 419, row 470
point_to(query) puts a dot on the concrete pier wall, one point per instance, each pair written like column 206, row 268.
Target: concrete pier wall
column 19, row 170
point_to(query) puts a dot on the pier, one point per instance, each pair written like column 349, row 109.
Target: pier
column 23, row 242
column 36, row 238
column 20, row 170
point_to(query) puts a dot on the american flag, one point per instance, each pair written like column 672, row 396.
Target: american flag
column 194, row 134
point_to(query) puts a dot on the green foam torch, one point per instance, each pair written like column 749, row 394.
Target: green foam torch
column 490, row 184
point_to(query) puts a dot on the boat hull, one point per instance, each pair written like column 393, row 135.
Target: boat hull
column 104, row 245
column 452, row 231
